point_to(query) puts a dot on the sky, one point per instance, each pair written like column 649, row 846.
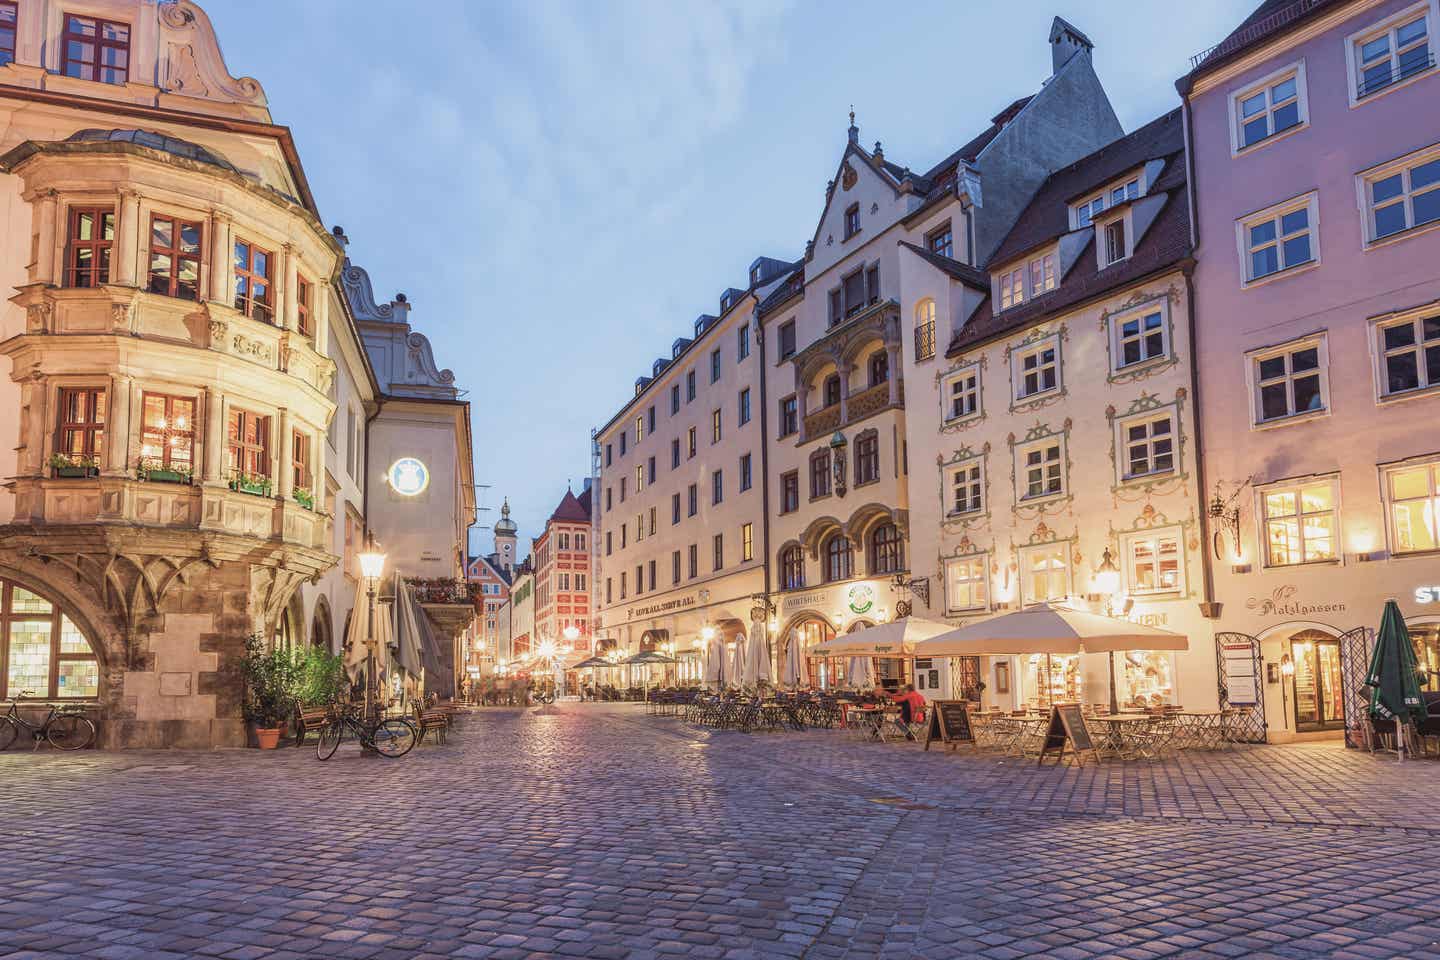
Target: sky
column 561, row 186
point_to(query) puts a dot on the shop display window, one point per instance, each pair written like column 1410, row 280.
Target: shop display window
column 1146, row 679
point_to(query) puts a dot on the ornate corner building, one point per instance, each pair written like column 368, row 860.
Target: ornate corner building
column 170, row 293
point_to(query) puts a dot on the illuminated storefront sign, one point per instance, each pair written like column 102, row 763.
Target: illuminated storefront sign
column 1427, row 594
column 408, row 476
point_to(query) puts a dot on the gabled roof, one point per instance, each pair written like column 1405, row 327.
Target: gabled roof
column 956, row 270
column 1270, row 19
column 571, row 509
column 492, row 563
column 791, row 287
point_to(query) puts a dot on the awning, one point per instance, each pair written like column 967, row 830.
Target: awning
column 589, row 662
column 650, row 656
column 895, row 639
column 1049, row 629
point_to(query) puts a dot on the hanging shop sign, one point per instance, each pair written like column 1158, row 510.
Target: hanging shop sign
column 858, row 599
column 408, row 476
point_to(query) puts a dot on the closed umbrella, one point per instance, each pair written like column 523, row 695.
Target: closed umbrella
column 794, row 673
column 714, row 663
column 735, row 669
column 1393, row 676
column 757, row 652
column 861, row 673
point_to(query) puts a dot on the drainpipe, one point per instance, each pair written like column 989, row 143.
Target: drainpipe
column 763, row 362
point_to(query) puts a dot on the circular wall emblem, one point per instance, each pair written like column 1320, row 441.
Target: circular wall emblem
column 861, row 598
column 408, row 476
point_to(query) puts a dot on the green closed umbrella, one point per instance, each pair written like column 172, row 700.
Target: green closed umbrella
column 1393, row 675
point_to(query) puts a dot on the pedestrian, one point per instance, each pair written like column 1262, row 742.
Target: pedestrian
column 912, row 707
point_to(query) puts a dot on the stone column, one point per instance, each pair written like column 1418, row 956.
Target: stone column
column 320, row 317
column 286, row 485
column 212, row 444
column 124, row 263
column 118, row 427
column 287, row 299
column 221, row 274
column 845, row 371
column 892, row 355
column 48, row 229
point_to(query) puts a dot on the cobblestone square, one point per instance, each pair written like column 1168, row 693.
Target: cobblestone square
column 596, row 831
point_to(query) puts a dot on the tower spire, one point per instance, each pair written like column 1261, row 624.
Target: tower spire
column 854, row 131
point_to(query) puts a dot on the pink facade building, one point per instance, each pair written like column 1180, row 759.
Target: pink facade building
column 1315, row 157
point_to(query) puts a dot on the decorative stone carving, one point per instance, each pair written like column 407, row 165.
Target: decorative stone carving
column 243, row 346
column 219, row 329
column 193, row 65
column 848, row 177
column 122, row 317
column 38, row 316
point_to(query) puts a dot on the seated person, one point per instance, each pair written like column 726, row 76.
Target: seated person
column 912, row 705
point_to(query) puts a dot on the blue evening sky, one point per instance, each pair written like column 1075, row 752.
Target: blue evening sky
column 562, row 187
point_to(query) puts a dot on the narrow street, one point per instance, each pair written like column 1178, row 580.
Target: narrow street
column 595, row 831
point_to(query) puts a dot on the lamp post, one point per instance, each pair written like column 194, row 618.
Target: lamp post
column 372, row 568
column 1107, row 584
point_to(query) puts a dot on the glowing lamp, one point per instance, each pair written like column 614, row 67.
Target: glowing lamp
column 1107, row 575
column 372, row 561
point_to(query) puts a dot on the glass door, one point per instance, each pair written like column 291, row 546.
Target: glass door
column 1317, row 683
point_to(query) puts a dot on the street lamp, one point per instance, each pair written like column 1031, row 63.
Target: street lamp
column 372, row 568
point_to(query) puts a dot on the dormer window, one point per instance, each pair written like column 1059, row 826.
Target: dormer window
column 852, row 220
column 1012, row 288
column 1114, row 250
column 95, row 49
column 754, row 275
column 725, row 302
column 1085, row 212
column 1028, row 280
column 1042, row 274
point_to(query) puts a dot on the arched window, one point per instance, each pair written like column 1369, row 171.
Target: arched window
column 924, row 312
column 43, row 650
column 879, row 367
column 792, row 568
column 887, row 553
column 925, row 329
column 832, row 390
column 839, row 558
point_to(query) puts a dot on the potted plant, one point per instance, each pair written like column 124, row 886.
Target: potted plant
column 252, row 483
column 64, row 465
column 305, row 497
column 154, row 469
column 268, row 676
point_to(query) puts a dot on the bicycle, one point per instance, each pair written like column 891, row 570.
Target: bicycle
column 543, row 696
column 63, row 728
column 388, row 736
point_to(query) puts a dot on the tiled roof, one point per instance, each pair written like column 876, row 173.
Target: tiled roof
column 792, row 286
column 571, row 510
column 1270, row 19
column 963, row 272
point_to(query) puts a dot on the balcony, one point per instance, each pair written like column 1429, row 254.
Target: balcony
column 857, row 407
column 445, row 601
column 823, row 421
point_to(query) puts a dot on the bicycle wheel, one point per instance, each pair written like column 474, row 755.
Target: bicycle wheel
column 9, row 731
column 329, row 740
column 70, row 732
column 394, row 737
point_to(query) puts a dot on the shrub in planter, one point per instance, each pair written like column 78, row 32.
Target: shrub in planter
column 63, row 465
column 250, row 483
column 269, row 678
column 155, row 470
column 305, row 497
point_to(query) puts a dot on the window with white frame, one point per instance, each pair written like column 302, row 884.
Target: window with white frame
column 1087, row 210
column 1148, row 445
column 960, row 393
column 1042, row 469
column 1042, row 274
column 1012, row 288
column 967, row 487
column 1390, row 52
column 1139, row 336
column 966, row 584
column 1299, row 522
column 1411, row 354
column 1044, row 572
column 1279, row 239
column 1154, row 561
column 1403, row 195
column 1114, row 249
column 1269, row 106
column 1290, row 380
column 1037, row 370
column 1413, row 494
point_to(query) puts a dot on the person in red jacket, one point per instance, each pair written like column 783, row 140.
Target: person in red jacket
column 912, row 707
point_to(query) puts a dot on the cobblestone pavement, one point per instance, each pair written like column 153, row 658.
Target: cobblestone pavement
column 595, row 831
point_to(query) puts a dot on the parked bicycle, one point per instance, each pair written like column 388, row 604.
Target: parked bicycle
column 543, row 696
column 387, row 736
column 64, row 728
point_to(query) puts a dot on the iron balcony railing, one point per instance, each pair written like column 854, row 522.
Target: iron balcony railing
column 1373, row 81
column 1255, row 31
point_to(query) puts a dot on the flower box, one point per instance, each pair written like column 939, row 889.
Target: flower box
column 305, row 498
column 74, row 472
column 161, row 475
column 255, row 486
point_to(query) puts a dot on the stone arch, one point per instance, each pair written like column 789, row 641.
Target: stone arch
column 865, row 517
column 77, row 603
column 322, row 625
column 857, row 352
column 816, row 531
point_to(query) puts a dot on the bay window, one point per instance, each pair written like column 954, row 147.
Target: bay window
column 302, row 307
column 87, row 250
column 82, row 423
column 174, row 258
column 300, row 460
column 167, row 433
column 247, row 443
column 254, row 295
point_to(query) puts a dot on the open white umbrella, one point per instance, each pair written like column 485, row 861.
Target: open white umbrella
column 757, row 652
column 794, row 672
column 897, row 638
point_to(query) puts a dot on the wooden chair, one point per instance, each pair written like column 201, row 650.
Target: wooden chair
column 309, row 718
column 427, row 720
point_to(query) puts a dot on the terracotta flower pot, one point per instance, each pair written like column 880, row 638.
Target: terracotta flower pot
column 267, row 738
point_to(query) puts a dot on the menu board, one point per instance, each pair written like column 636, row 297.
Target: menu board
column 1067, row 728
column 1242, row 686
column 949, row 723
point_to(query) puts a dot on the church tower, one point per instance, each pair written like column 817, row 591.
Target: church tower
column 505, row 537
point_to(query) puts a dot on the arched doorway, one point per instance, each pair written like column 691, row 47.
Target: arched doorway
column 1316, row 692
column 321, row 629
column 43, row 651
column 823, row 672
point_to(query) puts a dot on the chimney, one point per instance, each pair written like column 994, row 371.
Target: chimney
column 1065, row 41
column 401, row 307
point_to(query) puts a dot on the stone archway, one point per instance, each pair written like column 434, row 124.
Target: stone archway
column 322, row 626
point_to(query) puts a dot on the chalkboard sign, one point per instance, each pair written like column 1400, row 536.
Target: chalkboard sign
column 1067, row 726
column 949, row 723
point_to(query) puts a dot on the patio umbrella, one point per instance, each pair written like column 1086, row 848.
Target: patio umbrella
column 861, row 673
column 757, row 653
column 735, row 669
column 714, row 663
column 794, row 673
column 1393, row 677
column 896, row 638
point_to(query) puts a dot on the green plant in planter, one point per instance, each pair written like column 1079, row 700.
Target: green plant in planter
column 65, row 465
column 255, row 483
column 305, row 497
column 319, row 676
column 269, row 676
column 154, row 469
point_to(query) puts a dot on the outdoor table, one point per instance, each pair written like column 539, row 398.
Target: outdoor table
column 1202, row 731
column 1116, row 739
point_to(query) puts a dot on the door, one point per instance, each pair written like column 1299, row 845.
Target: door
column 1319, row 699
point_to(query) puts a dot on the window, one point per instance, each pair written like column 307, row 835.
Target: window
column 879, row 367
column 837, row 307
column 623, row 438
column 967, row 487
column 1044, row 572
column 1153, row 562
column 42, row 649
column 650, row 418
column 1149, row 444
column 247, row 442
column 714, row 365
column 819, row 474
column 718, row 550
column 609, row 542
column 872, row 284
column 924, row 330
column 1115, row 241
column 790, row 491
column 742, row 343
column 1403, row 197
column 674, row 508
column 1087, row 211
column 639, row 528
column 639, row 429
column 7, row 31
column 174, row 258
column 639, row 477
column 1038, row 370
column 747, row 542
column 1279, row 239
column 87, row 252
column 167, row 432
column 652, row 521
column 579, row 541
column 966, row 584
column 622, row 489
column 1043, row 470
column 82, row 422
column 609, row 501
column 789, row 417
column 1012, row 288
column 1299, row 523
column 717, row 486
column 830, row 391
column 867, row 458
column 1395, row 50
column 95, row 49
column 674, row 399
column 887, row 551
column 839, row 558
column 690, row 386
column 252, row 282
column 693, row 501
column 564, row 583
column 650, row 470
column 852, row 289
column 1270, row 106
column 787, row 339
column 609, row 450
column 674, row 453
column 1413, row 493
column 651, row 566
column 852, row 220
column 962, row 393
column 1411, row 351
column 1289, row 381
column 941, row 241
column 1042, row 274
column 609, row 593
column 714, row 426
column 690, row 443
column 675, row 567
column 792, row 568
column 1139, row 337
column 745, row 473
column 694, row 560
column 302, row 307
column 744, row 406
column 622, row 585
column 624, row 536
